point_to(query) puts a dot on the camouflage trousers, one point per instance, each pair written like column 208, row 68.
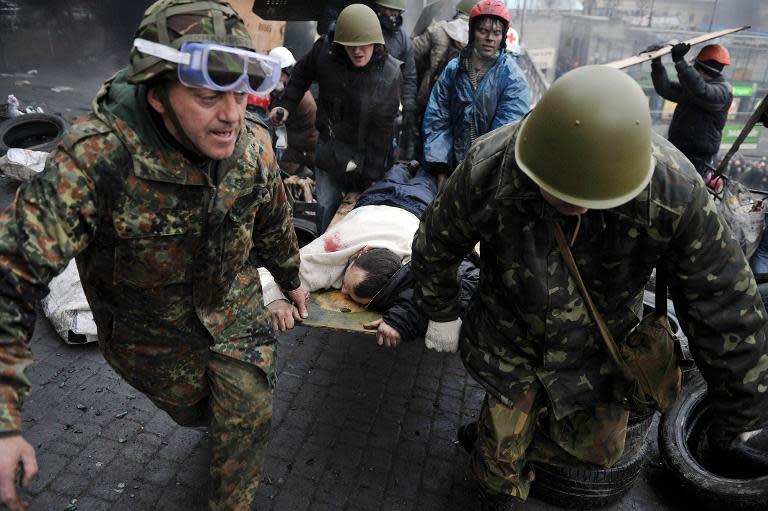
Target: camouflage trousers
column 198, row 387
column 510, row 437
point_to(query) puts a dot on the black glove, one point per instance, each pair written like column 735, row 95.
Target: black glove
column 733, row 457
column 679, row 50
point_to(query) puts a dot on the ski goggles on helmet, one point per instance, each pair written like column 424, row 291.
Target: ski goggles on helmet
column 217, row 67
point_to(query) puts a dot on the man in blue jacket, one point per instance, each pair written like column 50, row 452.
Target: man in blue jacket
column 480, row 90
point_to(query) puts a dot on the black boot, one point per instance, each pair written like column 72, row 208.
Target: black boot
column 467, row 436
column 490, row 501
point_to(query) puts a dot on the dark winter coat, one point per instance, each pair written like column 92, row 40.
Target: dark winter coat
column 356, row 107
column 702, row 108
column 400, row 47
column 397, row 298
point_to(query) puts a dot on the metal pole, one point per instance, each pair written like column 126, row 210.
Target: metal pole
column 522, row 22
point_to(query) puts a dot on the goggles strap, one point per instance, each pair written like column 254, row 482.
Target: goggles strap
column 162, row 94
column 161, row 51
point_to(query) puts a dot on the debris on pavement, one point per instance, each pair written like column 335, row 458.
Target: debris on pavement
column 22, row 164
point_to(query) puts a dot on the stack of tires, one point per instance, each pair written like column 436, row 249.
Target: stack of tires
column 587, row 486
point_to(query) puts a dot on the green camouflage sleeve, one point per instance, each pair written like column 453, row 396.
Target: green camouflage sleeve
column 274, row 240
column 445, row 236
column 52, row 218
column 722, row 313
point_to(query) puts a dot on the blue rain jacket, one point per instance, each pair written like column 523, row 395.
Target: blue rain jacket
column 501, row 98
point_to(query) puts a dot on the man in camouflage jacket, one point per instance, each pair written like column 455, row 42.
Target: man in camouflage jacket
column 528, row 337
column 169, row 203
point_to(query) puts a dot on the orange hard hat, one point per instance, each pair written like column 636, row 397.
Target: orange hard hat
column 714, row 52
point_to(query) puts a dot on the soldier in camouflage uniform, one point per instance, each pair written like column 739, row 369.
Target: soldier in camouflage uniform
column 629, row 201
column 169, row 203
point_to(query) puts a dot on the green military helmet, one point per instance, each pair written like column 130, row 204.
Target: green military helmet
column 358, row 25
column 175, row 22
column 465, row 6
column 588, row 140
column 392, row 4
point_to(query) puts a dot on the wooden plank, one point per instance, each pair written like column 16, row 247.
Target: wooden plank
column 333, row 310
column 645, row 57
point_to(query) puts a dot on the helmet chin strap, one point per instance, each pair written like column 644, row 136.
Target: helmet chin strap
column 181, row 136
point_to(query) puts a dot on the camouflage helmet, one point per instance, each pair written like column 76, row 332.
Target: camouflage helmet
column 465, row 6
column 588, row 141
column 175, row 22
column 358, row 25
column 392, row 4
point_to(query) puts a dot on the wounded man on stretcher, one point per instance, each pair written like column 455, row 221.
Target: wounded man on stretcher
column 366, row 255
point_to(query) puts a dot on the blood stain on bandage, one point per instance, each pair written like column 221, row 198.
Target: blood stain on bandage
column 333, row 243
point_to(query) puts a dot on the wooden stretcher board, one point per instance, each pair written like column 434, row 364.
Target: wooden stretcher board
column 645, row 57
column 333, row 310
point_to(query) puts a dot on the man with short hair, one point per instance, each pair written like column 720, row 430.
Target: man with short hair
column 366, row 253
column 584, row 161
column 703, row 98
column 166, row 200
column 359, row 84
column 479, row 91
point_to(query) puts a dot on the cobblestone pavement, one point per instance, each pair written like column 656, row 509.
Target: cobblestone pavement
column 356, row 427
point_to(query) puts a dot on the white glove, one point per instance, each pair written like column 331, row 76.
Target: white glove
column 443, row 336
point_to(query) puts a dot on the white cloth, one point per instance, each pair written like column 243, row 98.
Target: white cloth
column 324, row 260
column 443, row 336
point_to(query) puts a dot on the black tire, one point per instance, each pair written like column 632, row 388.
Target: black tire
column 638, row 426
column 38, row 132
column 586, row 486
column 680, row 433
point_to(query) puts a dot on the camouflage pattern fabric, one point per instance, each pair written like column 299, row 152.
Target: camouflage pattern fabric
column 511, row 436
column 168, row 252
column 198, row 387
column 527, row 320
column 190, row 20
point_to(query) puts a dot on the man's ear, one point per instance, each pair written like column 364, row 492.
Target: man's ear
column 364, row 250
column 154, row 100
